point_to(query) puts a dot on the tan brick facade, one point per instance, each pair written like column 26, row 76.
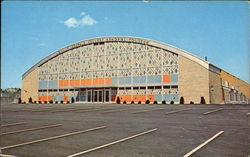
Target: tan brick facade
column 30, row 86
column 216, row 96
column 193, row 81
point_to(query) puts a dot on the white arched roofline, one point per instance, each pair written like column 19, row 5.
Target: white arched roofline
column 149, row 42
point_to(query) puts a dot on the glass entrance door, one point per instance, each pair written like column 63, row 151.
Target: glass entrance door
column 89, row 92
column 107, row 95
column 98, row 95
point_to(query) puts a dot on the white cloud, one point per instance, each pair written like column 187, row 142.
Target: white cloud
column 42, row 44
column 86, row 20
column 71, row 22
column 82, row 14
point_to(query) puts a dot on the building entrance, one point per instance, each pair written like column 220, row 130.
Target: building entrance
column 95, row 95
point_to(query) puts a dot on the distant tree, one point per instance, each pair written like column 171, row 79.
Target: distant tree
column 118, row 101
column 72, row 100
column 34, row 102
column 51, row 101
column 19, row 100
column 191, row 102
column 30, row 100
column 132, row 102
column 203, row 101
column 163, row 102
column 155, row 102
column 124, row 102
column 61, row 102
column 182, row 100
column 139, row 102
column 172, row 102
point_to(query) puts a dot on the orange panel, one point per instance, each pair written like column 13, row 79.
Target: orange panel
column 39, row 98
column 128, row 98
column 108, row 81
column 65, row 98
column 66, row 83
column 95, row 81
column 43, row 98
column 49, row 98
column 151, row 98
column 61, row 83
column 83, row 82
column 166, row 78
column 71, row 82
column 113, row 97
column 88, row 81
column 101, row 81
column 77, row 82
column 138, row 98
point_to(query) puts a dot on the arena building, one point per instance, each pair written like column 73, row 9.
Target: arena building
column 135, row 69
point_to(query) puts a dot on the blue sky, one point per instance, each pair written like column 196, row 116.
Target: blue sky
column 34, row 29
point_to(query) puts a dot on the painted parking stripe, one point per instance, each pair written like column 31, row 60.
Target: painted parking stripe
column 203, row 144
column 31, row 129
column 13, row 124
column 147, row 110
column 5, row 155
column 52, row 138
column 186, row 109
column 112, row 143
column 212, row 111
column 115, row 111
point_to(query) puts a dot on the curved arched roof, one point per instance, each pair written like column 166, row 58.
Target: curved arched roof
column 137, row 40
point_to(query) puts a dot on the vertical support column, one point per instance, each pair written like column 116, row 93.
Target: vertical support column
column 92, row 63
column 118, row 72
column 57, row 95
column 162, row 88
column 147, row 75
column 132, row 74
column 105, row 65
column 47, row 87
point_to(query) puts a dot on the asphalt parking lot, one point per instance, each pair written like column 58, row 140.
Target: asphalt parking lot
column 124, row 130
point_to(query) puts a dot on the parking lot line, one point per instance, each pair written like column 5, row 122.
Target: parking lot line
column 52, row 138
column 30, row 129
column 111, row 111
column 13, row 124
column 186, row 109
column 203, row 144
column 5, row 155
column 147, row 110
column 112, row 143
column 212, row 111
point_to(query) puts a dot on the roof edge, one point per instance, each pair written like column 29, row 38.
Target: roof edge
column 120, row 39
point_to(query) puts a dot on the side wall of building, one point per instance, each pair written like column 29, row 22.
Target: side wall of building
column 238, row 84
column 193, row 81
column 30, row 86
column 216, row 92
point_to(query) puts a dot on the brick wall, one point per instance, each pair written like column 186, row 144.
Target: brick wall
column 30, row 86
column 193, row 81
column 216, row 96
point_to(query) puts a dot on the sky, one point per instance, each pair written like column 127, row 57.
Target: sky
column 32, row 30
